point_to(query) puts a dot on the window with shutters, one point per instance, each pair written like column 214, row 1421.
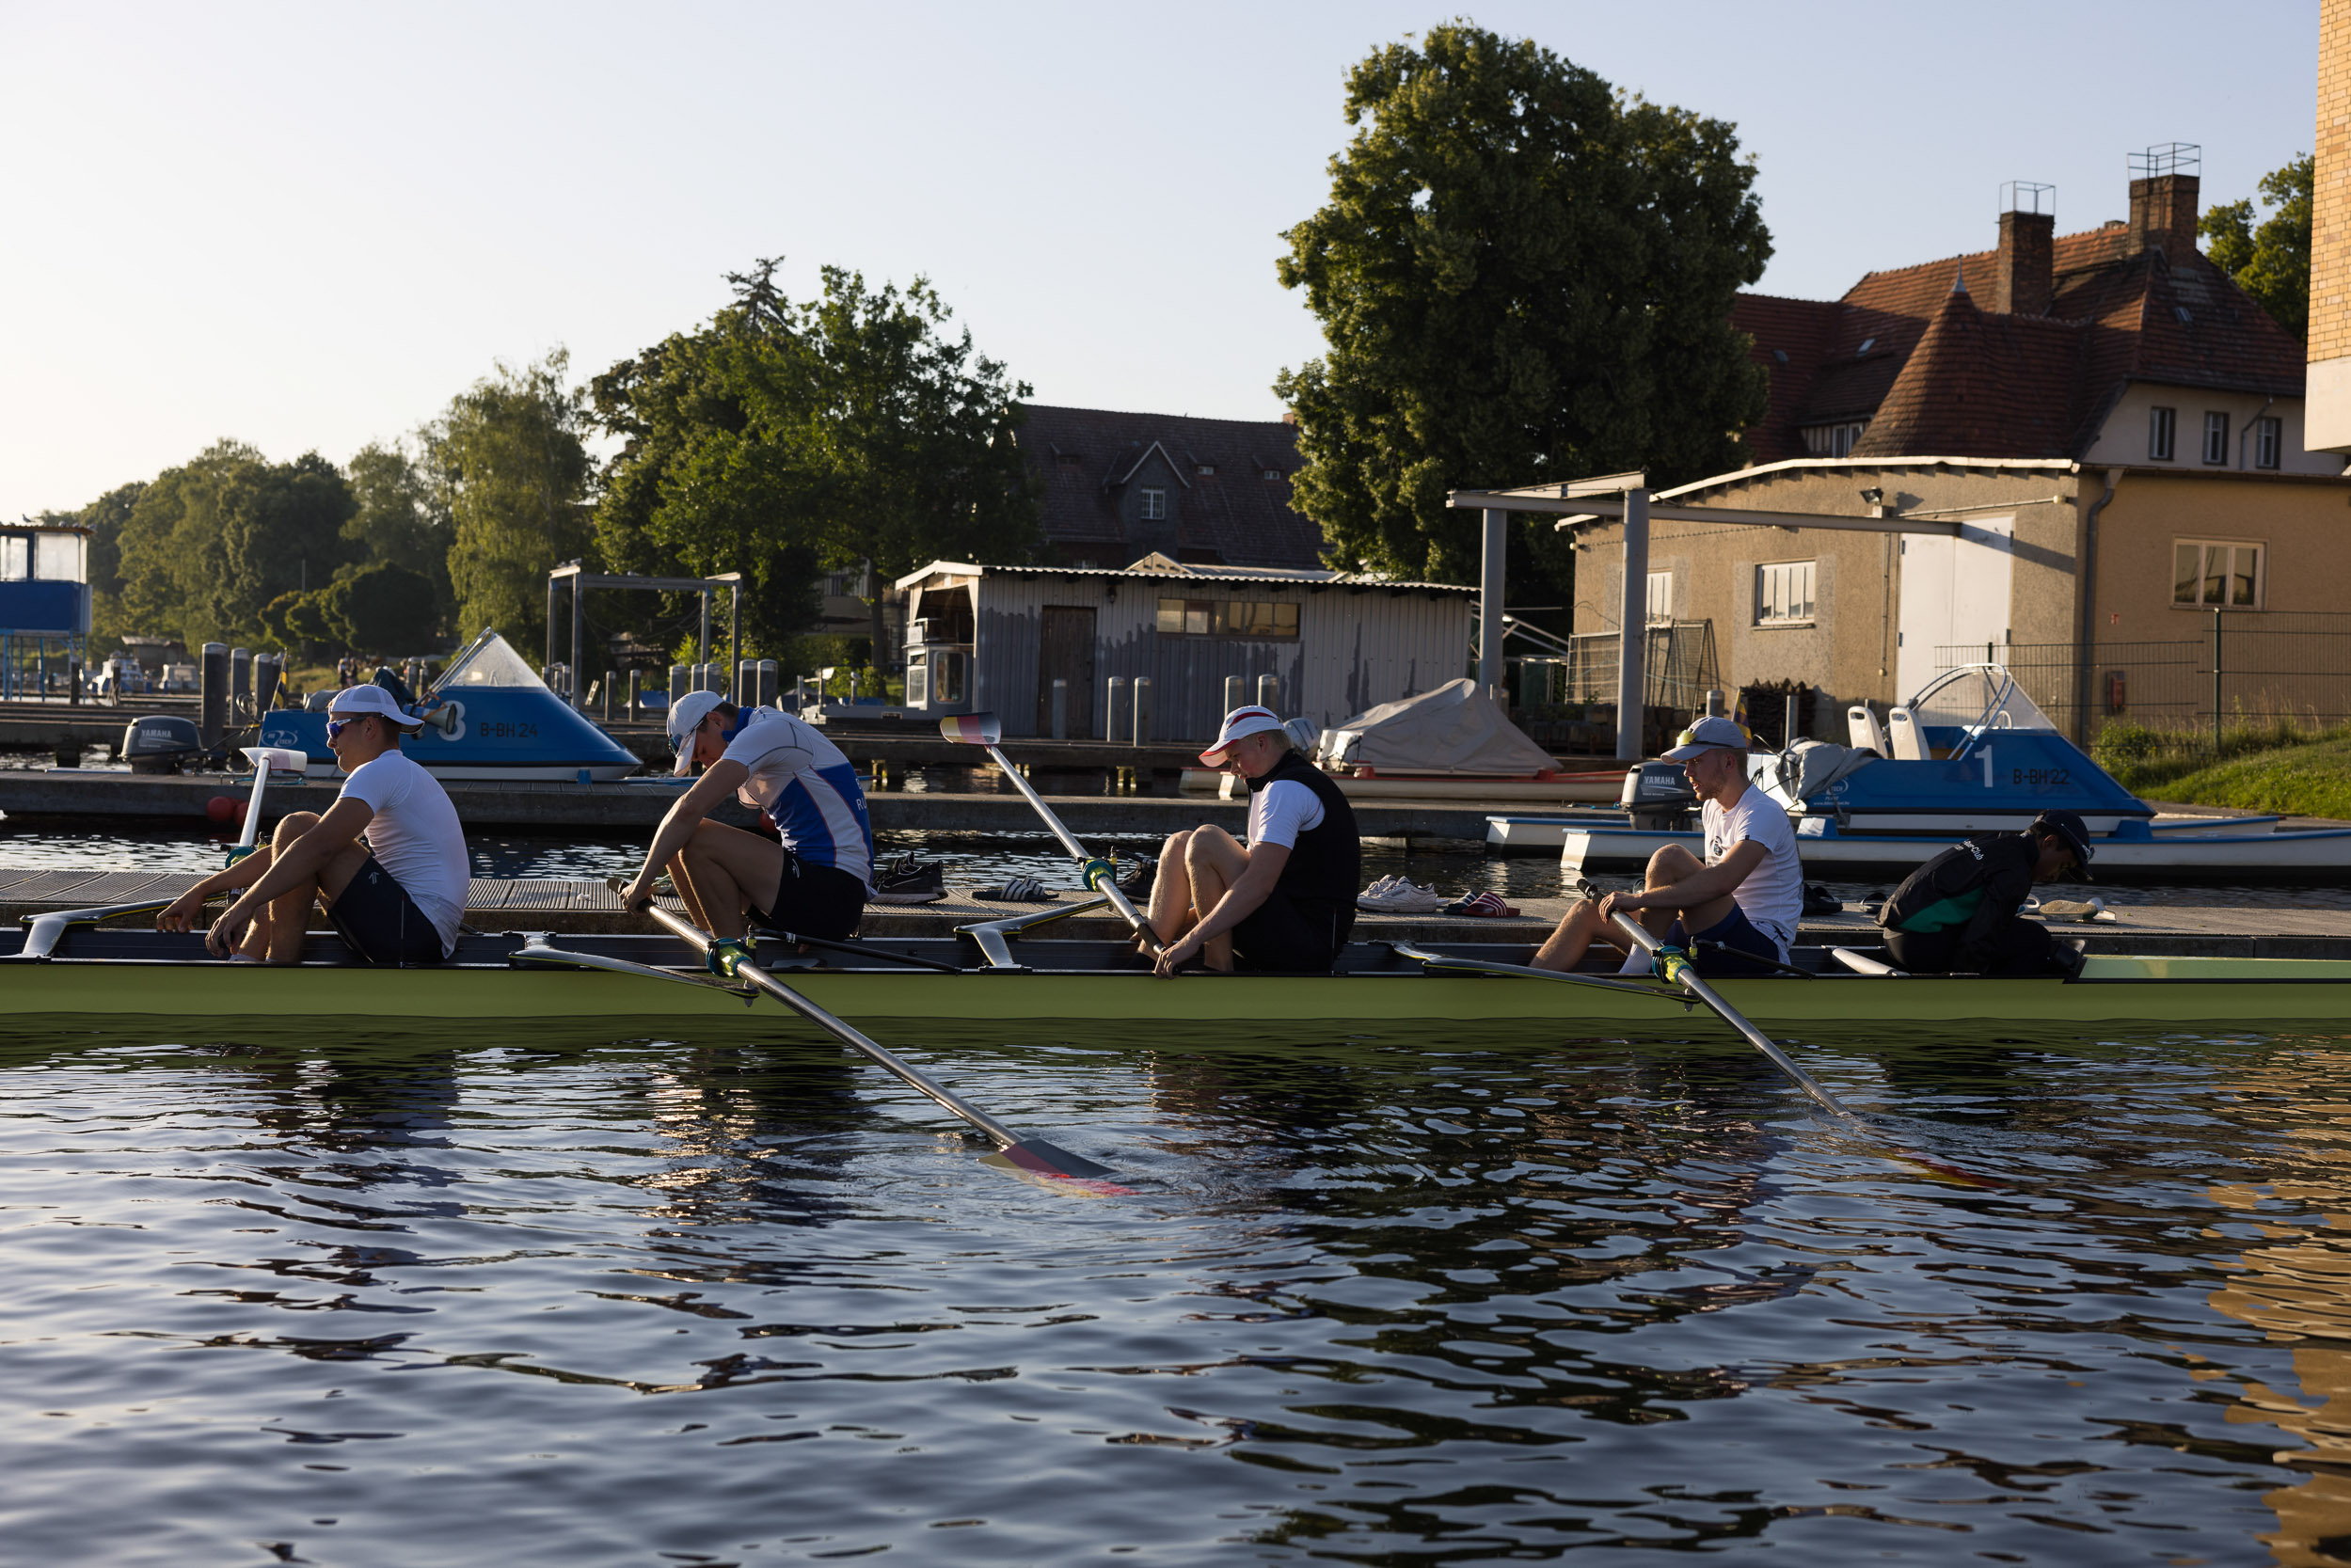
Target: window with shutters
column 1783, row 594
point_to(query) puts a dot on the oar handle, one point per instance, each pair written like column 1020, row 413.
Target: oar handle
column 1100, row 880
column 702, row 941
column 1691, row 981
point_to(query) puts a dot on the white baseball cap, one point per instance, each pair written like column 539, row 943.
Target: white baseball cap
column 685, row 716
column 353, row 701
column 1708, row 734
column 1240, row 721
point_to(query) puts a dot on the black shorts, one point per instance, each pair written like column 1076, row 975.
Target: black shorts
column 380, row 923
column 812, row 900
column 1737, row 933
column 1292, row 936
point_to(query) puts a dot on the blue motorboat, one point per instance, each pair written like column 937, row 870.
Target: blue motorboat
column 488, row 717
column 1970, row 754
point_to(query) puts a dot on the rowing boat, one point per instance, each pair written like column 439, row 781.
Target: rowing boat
column 60, row 966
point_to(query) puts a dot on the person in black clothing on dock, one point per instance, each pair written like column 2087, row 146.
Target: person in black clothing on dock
column 1285, row 900
column 1957, row 913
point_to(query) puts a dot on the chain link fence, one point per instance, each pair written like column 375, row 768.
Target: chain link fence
column 2243, row 667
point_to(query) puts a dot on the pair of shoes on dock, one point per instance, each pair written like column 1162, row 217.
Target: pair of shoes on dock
column 1395, row 896
column 910, row 879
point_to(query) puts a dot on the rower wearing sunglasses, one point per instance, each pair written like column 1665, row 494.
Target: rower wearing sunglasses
column 395, row 894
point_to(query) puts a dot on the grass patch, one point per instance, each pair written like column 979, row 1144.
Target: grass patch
column 2275, row 766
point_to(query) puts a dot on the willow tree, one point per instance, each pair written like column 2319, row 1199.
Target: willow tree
column 1522, row 275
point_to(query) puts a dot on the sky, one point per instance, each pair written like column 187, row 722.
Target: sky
column 308, row 227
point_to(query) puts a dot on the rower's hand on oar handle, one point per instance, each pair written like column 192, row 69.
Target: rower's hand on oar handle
column 637, row 895
column 1176, row 954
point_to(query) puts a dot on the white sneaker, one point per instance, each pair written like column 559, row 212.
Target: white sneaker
column 1395, row 896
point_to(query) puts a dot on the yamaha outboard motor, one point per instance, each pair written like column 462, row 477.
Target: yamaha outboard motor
column 159, row 743
column 1659, row 796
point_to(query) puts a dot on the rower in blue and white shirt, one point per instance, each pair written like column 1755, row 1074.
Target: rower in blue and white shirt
column 815, row 883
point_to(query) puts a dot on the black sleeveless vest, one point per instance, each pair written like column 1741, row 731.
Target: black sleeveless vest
column 1327, row 863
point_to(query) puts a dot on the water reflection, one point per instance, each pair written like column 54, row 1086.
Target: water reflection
column 1444, row 1295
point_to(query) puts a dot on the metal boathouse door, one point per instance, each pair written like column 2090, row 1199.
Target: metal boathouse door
column 1065, row 651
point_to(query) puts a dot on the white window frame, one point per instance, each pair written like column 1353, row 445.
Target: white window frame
column 1154, row 503
column 1833, row 440
column 1785, row 592
column 2228, row 556
column 2162, row 434
column 2269, row 441
column 1660, row 598
column 2216, row 438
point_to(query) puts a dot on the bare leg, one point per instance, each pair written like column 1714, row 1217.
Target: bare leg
column 1213, row 862
column 1170, row 912
column 1565, row 947
column 722, row 872
column 1671, row 864
column 276, row 935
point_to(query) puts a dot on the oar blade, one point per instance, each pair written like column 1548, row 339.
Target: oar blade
column 1040, row 1157
column 972, row 729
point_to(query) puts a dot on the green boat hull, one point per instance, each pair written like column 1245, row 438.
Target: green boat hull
column 2160, row 991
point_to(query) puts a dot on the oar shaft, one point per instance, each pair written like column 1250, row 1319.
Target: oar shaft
column 253, row 806
column 696, row 938
column 1639, row 935
column 1103, row 885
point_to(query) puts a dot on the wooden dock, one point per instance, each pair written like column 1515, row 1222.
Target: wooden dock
column 2287, row 931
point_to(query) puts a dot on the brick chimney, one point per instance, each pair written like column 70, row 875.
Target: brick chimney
column 2163, row 190
column 2021, row 273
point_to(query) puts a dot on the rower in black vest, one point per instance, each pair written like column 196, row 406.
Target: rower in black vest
column 1285, row 900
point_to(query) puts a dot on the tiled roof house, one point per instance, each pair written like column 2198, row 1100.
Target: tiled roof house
column 1120, row 486
column 2030, row 349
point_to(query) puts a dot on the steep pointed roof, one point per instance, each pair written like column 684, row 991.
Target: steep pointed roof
column 2116, row 314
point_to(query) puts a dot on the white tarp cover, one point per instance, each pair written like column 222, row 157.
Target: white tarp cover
column 1455, row 729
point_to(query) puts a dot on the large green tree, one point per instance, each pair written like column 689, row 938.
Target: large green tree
column 403, row 519
column 782, row 438
column 205, row 546
column 509, row 451
column 2271, row 261
column 1522, row 275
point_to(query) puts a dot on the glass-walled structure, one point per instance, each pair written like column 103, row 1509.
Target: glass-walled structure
column 44, row 609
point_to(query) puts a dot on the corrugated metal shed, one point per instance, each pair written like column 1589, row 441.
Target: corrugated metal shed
column 1360, row 642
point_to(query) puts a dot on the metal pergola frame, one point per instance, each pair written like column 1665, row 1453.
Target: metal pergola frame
column 1627, row 498
column 581, row 578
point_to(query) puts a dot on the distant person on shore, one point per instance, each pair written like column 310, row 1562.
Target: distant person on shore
column 395, row 895
column 816, row 880
column 1957, row 913
column 1742, row 900
column 1285, row 900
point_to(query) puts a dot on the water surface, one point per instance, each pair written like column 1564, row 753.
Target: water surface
column 1376, row 1297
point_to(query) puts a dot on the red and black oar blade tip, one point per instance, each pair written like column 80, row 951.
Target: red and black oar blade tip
column 972, row 729
column 1047, row 1158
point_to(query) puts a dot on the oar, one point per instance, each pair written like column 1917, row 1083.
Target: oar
column 728, row 960
column 265, row 758
column 1676, row 969
column 986, row 729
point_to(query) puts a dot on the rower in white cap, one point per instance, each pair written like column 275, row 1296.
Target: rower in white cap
column 1739, row 906
column 395, row 895
column 814, row 884
column 1285, row 900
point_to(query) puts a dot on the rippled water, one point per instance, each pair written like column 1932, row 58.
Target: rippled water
column 1374, row 1297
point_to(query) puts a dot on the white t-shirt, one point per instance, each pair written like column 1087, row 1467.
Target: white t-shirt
column 1281, row 811
column 1772, row 897
column 415, row 836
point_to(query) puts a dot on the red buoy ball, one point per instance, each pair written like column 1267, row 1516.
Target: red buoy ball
column 221, row 809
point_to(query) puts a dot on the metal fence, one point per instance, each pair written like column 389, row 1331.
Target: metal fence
column 1678, row 668
column 2243, row 667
